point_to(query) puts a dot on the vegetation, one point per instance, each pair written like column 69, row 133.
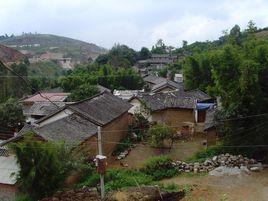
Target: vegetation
column 10, row 114
column 160, row 132
column 206, row 153
column 235, row 70
column 120, row 56
column 104, row 75
column 84, row 91
column 43, row 165
column 118, row 178
column 45, row 69
column 79, row 50
column 159, row 167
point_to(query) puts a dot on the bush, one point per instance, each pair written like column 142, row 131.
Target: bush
column 159, row 167
column 24, row 197
column 204, row 154
column 118, row 178
column 43, row 165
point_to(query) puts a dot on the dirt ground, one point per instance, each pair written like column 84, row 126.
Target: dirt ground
column 180, row 151
column 253, row 187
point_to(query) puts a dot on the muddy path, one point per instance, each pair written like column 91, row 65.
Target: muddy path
column 253, row 187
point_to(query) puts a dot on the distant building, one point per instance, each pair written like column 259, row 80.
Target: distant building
column 126, row 94
column 167, row 85
column 178, row 77
column 42, row 98
column 65, row 63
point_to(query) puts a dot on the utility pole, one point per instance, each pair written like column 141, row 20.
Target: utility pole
column 101, row 174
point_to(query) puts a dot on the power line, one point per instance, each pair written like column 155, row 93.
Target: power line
column 27, row 83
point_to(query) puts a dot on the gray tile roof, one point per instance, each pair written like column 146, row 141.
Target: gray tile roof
column 45, row 108
column 167, row 83
column 176, row 99
column 72, row 130
column 153, row 79
column 102, row 89
column 82, row 124
column 102, row 108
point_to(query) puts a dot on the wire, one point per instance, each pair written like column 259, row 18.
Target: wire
column 28, row 84
column 244, row 117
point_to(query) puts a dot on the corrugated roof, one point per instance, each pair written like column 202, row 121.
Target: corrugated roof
column 8, row 166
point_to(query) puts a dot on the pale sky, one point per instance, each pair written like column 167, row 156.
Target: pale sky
column 135, row 23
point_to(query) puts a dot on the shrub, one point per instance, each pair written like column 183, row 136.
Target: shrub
column 204, row 154
column 160, row 132
column 43, row 165
column 118, row 178
column 23, row 197
column 159, row 167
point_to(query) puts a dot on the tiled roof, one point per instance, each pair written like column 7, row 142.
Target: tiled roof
column 46, row 96
column 168, row 83
column 153, row 79
column 175, row 99
column 82, row 123
column 72, row 130
column 102, row 108
column 44, row 108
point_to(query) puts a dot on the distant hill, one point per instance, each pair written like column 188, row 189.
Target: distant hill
column 38, row 44
column 8, row 55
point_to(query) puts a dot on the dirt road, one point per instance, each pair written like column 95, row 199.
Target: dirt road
column 253, row 187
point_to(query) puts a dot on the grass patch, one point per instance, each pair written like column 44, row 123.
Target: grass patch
column 159, row 167
column 204, row 154
column 118, row 178
column 172, row 187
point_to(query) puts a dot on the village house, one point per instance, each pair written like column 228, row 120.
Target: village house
column 41, row 109
column 177, row 109
column 167, row 85
column 41, row 101
column 76, row 124
column 159, row 84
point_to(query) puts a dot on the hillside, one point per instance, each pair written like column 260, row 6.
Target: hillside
column 38, row 44
column 8, row 54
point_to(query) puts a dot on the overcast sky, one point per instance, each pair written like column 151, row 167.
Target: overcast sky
column 135, row 23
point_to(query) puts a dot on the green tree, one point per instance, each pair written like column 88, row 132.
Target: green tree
column 159, row 47
column 84, row 91
column 43, row 165
column 11, row 113
column 144, row 53
column 160, row 132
